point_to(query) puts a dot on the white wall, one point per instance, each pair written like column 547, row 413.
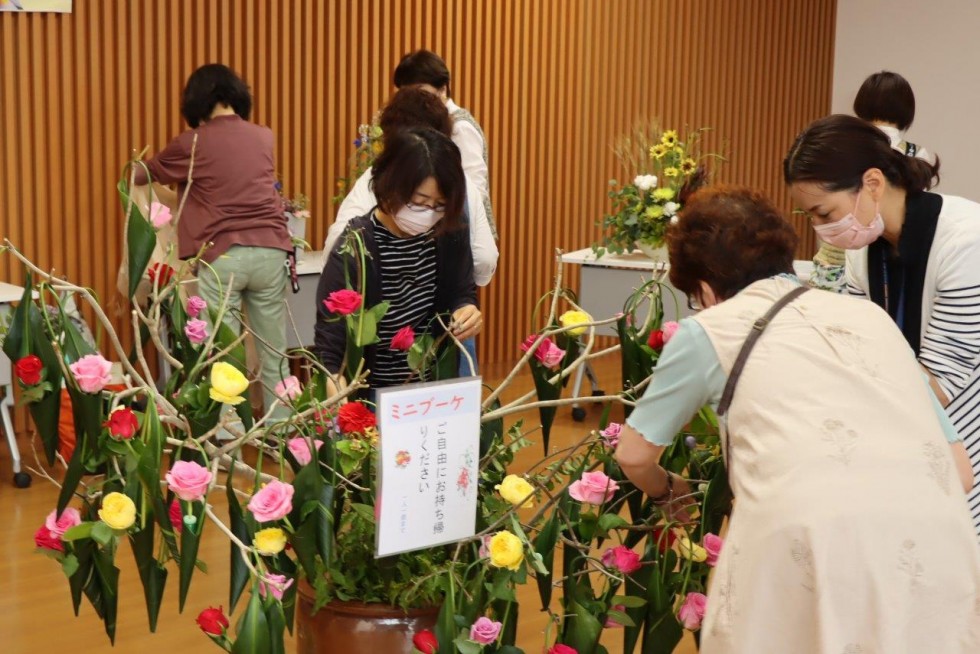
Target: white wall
column 935, row 45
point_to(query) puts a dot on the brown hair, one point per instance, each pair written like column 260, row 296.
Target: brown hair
column 836, row 151
column 412, row 155
column 729, row 237
column 413, row 107
column 886, row 97
column 422, row 67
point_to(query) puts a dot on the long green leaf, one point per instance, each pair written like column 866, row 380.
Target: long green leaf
column 140, row 238
column 152, row 574
column 108, row 575
column 277, row 624
column 325, row 526
column 239, row 571
column 545, row 391
column 16, row 344
column 77, row 582
column 47, row 410
column 545, row 544
column 190, row 540
column 253, row 628
column 584, row 629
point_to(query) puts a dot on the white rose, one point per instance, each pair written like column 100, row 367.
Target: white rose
column 670, row 208
column 645, row 182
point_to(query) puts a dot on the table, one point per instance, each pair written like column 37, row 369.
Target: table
column 302, row 305
column 9, row 294
column 606, row 283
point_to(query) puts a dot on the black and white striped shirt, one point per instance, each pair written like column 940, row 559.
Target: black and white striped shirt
column 408, row 284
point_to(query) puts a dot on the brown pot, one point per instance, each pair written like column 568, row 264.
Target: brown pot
column 356, row 627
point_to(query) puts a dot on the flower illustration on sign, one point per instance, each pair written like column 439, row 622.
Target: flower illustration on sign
column 463, row 481
column 402, row 458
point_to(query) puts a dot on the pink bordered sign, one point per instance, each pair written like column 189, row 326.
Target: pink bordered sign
column 429, row 457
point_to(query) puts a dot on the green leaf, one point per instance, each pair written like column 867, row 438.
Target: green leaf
column 304, row 542
column 79, row 531
column 545, row 545
column 662, row 634
column 620, row 618
column 583, row 629
column 140, row 238
column 190, row 540
column 108, row 576
column 325, row 526
column 239, row 571
column 46, row 411
column 502, row 587
column 446, row 626
column 16, row 344
column 73, row 474
column 545, row 391
column 253, row 628
column 80, row 579
column 277, row 625
column 69, row 565
column 102, row 533
column 152, row 575
column 466, row 646
column 629, row 601
column 608, row 521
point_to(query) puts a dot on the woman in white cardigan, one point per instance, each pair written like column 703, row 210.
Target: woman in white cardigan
column 912, row 252
column 414, row 107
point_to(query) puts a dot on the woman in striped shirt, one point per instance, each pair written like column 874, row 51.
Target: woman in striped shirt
column 418, row 259
column 912, row 252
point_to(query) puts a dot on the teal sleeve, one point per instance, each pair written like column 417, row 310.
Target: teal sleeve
column 688, row 376
column 952, row 436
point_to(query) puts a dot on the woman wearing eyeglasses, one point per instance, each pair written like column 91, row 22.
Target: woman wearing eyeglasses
column 418, row 255
column 850, row 531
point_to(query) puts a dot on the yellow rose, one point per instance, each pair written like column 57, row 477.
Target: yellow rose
column 227, row 383
column 514, row 489
column 506, row 550
column 118, row 511
column 270, row 541
column 663, row 194
column 575, row 318
column 691, row 551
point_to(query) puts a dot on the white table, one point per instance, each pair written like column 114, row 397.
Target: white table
column 302, row 305
column 8, row 295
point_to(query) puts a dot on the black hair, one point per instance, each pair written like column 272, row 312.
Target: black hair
column 412, row 155
column 413, row 107
column 210, row 85
column 886, row 97
column 836, row 151
column 422, row 67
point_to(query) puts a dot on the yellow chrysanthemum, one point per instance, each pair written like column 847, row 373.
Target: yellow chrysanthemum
column 654, row 211
column 658, row 151
column 669, row 138
column 671, row 171
column 663, row 194
column 688, row 166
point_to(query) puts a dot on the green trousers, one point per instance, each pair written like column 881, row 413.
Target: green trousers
column 257, row 278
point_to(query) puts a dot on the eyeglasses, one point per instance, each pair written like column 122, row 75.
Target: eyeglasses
column 419, row 208
column 693, row 304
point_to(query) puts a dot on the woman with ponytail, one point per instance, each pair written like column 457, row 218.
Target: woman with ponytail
column 914, row 253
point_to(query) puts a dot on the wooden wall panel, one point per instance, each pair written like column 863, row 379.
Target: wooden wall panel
column 552, row 81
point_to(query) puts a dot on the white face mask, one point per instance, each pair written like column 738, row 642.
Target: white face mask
column 417, row 219
column 848, row 234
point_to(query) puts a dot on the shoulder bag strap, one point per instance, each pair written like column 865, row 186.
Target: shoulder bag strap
column 743, row 355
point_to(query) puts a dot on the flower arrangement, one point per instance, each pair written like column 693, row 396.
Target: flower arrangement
column 367, row 146
column 306, row 509
column 667, row 169
column 297, row 209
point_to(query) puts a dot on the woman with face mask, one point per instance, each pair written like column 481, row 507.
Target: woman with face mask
column 912, row 252
column 849, row 531
column 418, row 256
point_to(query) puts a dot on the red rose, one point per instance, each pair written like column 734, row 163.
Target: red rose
column 160, row 271
column 343, row 302
column 656, row 340
column 176, row 517
column 323, row 420
column 558, row 648
column 122, row 424
column 426, row 642
column 663, row 540
column 28, row 369
column 403, row 339
column 212, row 621
column 45, row 540
column 355, row 418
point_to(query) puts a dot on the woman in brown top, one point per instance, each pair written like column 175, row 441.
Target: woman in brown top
column 232, row 210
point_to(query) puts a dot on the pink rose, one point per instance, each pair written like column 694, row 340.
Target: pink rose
column 669, row 328
column 195, row 305
column 45, row 540
column 196, row 331
column 611, row 434
column 343, row 302
column 593, row 488
column 484, row 631
column 612, row 624
column 265, row 587
column 274, row 501
column 91, row 372
column 176, row 517
column 484, row 552
column 558, row 648
column 159, row 214
column 189, row 480
column 692, row 611
column 288, row 389
column 58, row 526
column 712, row 545
column 300, row 447
column 548, row 354
column 622, row 558
column 403, row 339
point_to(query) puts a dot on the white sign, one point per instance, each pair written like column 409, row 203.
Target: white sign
column 429, row 468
